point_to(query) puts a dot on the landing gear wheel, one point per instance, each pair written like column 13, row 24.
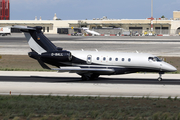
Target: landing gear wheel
column 160, row 76
column 85, row 77
column 159, row 79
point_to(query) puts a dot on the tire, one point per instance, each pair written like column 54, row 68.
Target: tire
column 85, row 77
column 159, row 79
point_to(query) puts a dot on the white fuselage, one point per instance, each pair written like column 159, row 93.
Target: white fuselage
column 127, row 60
column 91, row 32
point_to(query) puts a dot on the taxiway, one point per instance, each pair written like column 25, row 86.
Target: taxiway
column 160, row 46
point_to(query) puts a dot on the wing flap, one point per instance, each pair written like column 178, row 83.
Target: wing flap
column 83, row 70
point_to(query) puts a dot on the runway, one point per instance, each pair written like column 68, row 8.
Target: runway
column 53, row 77
column 45, row 83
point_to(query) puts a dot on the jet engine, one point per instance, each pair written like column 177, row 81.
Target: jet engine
column 61, row 56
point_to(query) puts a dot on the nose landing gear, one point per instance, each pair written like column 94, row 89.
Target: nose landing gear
column 160, row 76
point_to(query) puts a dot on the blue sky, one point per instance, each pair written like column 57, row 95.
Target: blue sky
column 89, row 9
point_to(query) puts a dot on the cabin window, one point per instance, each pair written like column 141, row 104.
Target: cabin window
column 122, row 59
column 116, row 59
column 97, row 58
column 104, row 58
column 110, row 59
column 129, row 59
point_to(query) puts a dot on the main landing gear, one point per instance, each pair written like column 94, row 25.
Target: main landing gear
column 160, row 76
column 86, row 77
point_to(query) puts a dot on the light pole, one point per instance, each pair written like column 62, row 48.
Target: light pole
column 151, row 8
column 152, row 15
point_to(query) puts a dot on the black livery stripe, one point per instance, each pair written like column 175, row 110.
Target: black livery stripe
column 41, row 40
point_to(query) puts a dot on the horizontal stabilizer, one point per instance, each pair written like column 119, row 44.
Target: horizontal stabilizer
column 23, row 27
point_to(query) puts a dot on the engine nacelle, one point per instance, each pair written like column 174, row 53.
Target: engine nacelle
column 34, row 55
column 62, row 56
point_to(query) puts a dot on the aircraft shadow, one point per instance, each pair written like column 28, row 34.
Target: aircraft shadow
column 100, row 80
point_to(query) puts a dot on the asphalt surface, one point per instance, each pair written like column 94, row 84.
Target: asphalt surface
column 99, row 81
column 160, row 46
column 56, row 37
column 104, row 87
column 54, row 77
column 116, row 79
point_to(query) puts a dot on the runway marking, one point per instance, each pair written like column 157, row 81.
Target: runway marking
column 101, row 90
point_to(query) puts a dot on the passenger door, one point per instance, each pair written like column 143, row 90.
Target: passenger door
column 89, row 59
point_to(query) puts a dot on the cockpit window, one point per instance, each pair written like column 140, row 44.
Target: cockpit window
column 157, row 59
column 154, row 59
column 150, row 59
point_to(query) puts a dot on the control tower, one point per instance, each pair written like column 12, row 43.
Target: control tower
column 4, row 10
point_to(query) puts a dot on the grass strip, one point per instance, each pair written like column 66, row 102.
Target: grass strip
column 88, row 108
column 19, row 69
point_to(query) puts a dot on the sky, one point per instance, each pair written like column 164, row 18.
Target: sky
column 89, row 9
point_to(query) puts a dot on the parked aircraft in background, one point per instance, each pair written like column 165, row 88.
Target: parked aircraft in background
column 91, row 32
column 90, row 64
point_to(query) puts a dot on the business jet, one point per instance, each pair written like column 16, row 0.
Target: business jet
column 91, row 32
column 90, row 64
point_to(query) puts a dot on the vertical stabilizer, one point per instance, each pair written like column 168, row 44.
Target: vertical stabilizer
column 37, row 41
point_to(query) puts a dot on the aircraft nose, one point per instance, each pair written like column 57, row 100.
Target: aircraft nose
column 172, row 69
column 169, row 68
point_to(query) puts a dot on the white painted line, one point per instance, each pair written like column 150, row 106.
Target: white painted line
column 78, row 89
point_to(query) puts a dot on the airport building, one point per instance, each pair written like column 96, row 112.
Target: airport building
column 103, row 25
column 4, row 9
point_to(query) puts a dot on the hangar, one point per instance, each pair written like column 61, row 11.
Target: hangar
column 160, row 25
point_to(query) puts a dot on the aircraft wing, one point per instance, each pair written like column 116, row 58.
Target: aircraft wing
column 83, row 70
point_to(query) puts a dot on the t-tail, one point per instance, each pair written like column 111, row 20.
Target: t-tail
column 36, row 39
